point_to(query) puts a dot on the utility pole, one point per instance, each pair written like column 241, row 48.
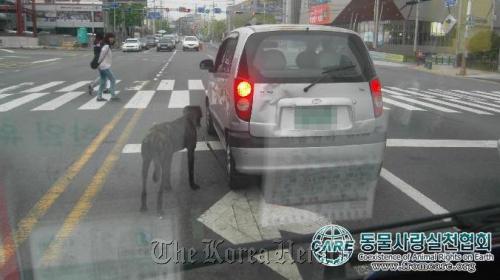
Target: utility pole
column 415, row 38
column 114, row 16
column 463, row 69
column 375, row 23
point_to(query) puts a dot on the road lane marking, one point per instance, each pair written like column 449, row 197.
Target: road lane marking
column 43, row 87
column 15, row 87
column 166, row 85
column 195, row 85
column 26, row 225
column 413, row 193
column 74, row 86
column 486, row 93
column 46, row 60
column 21, row 101
column 409, row 92
column 141, row 99
column 425, row 104
column 441, row 143
column 402, row 105
column 3, row 95
column 449, row 104
column 84, row 204
column 96, row 88
column 179, row 99
column 58, row 101
column 476, row 94
column 477, row 106
column 393, row 92
column 93, row 104
column 200, row 146
column 9, row 51
column 138, row 85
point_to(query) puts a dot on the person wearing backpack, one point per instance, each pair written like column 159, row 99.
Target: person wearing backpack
column 97, row 50
column 104, row 66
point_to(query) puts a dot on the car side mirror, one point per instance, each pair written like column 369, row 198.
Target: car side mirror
column 207, row 64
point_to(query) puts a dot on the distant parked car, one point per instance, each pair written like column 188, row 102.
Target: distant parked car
column 150, row 42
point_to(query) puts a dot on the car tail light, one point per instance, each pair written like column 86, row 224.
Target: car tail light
column 243, row 97
column 376, row 90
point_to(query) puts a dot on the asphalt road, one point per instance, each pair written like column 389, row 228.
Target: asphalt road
column 70, row 170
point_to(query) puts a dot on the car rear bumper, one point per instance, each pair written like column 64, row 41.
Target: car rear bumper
column 309, row 153
column 191, row 47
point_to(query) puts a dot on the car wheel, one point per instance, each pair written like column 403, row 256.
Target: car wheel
column 209, row 121
column 235, row 179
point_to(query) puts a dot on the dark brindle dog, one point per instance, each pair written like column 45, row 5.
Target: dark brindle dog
column 162, row 141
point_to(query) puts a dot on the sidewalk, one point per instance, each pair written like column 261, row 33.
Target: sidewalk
column 448, row 70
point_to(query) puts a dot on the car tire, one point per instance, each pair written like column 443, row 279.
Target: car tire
column 209, row 121
column 235, row 179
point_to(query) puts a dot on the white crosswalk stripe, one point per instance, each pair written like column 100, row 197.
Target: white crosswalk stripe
column 141, row 99
column 449, row 104
column 179, row 99
column 425, row 104
column 402, row 105
column 93, row 104
column 96, row 88
column 21, row 101
column 58, row 101
column 74, row 86
column 486, row 93
column 3, row 95
column 166, row 85
column 477, row 94
column 11, row 88
column 43, row 87
column 195, row 85
column 486, row 108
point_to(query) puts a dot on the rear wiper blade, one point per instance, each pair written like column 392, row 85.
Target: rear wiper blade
column 326, row 73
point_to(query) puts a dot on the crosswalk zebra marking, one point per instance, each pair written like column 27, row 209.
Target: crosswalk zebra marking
column 412, row 92
column 477, row 106
column 138, row 85
column 425, row 104
column 58, row 101
column 394, row 92
column 179, row 99
column 476, row 94
column 3, row 95
column 195, row 85
column 93, row 104
column 74, row 86
column 43, row 87
column 7, row 89
column 472, row 98
column 96, row 88
column 449, row 104
column 486, row 93
column 200, row 146
column 21, row 101
column 402, row 105
column 166, row 85
column 141, row 99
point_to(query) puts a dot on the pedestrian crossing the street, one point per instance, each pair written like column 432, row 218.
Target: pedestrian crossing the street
column 55, row 95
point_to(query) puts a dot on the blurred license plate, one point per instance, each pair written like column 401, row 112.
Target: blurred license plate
column 318, row 118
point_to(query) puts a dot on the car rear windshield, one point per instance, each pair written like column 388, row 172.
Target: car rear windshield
column 166, row 40
column 303, row 56
column 190, row 39
column 131, row 41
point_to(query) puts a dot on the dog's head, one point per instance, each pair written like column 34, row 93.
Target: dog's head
column 193, row 114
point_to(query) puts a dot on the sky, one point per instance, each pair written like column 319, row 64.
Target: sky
column 191, row 4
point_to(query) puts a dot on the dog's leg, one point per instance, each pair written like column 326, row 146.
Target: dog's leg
column 146, row 161
column 157, row 170
column 165, row 182
column 190, row 154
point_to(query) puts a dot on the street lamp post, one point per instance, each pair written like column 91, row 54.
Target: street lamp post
column 415, row 39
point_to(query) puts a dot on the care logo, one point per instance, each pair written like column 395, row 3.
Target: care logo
column 332, row 245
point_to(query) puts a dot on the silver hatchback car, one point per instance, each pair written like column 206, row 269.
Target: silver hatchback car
column 294, row 97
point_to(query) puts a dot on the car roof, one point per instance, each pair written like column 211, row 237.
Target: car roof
column 291, row 27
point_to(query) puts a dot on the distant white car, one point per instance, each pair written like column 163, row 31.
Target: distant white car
column 131, row 44
column 190, row 43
